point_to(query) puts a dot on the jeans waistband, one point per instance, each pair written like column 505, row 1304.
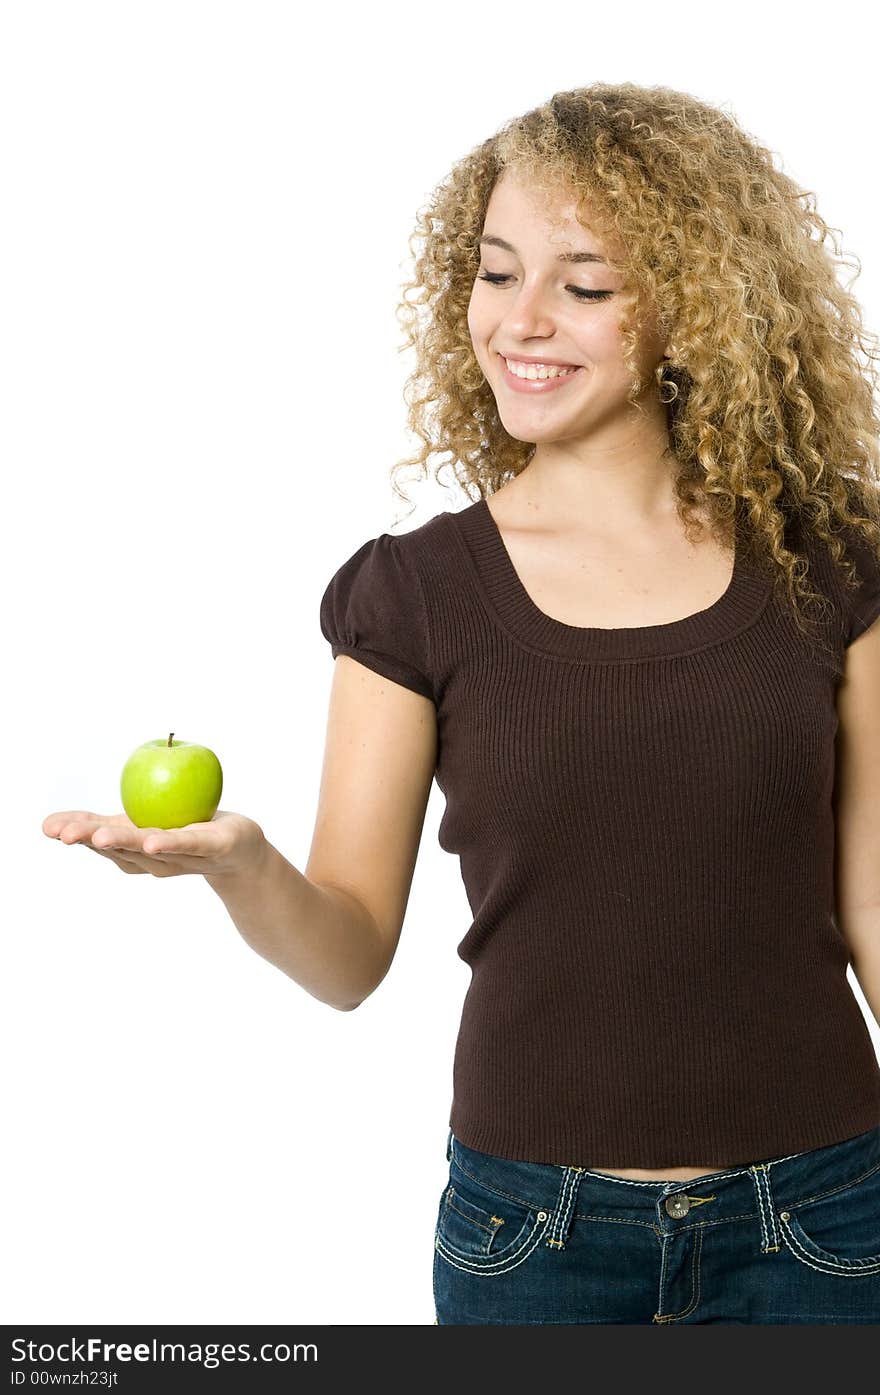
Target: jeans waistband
column 760, row 1189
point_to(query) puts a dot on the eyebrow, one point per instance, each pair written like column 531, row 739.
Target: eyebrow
column 563, row 256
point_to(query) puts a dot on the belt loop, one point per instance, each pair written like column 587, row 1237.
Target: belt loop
column 449, row 1146
column 769, row 1234
column 561, row 1222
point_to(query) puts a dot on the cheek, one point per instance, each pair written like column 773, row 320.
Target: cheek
column 601, row 339
column 479, row 326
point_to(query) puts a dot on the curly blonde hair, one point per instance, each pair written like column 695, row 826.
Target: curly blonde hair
column 770, row 408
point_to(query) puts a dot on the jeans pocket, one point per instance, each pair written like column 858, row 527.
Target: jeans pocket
column 838, row 1233
column 485, row 1231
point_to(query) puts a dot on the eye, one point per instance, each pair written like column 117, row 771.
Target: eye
column 496, row 280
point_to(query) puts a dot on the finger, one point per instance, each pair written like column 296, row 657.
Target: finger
column 131, row 861
column 78, row 832
column 125, row 864
column 53, row 823
column 134, row 862
column 129, row 840
column 165, row 843
column 190, row 840
column 84, row 829
column 127, row 847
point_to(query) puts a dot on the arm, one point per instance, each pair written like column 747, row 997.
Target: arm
column 335, row 929
column 322, row 938
column 857, row 811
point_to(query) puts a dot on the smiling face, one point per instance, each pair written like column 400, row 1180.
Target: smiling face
column 553, row 299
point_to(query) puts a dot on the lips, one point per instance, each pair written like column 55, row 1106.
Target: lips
column 537, row 386
column 548, row 362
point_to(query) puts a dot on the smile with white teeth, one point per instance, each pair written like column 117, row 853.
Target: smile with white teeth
column 536, row 370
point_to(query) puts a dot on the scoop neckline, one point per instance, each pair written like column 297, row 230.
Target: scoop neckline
column 744, row 598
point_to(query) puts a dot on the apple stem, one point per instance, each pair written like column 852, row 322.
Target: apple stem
column 169, row 738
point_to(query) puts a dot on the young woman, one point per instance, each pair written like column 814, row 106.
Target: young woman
column 643, row 669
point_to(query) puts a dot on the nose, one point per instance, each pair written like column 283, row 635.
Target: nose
column 528, row 316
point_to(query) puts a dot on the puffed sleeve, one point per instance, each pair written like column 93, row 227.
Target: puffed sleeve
column 374, row 609
column 862, row 607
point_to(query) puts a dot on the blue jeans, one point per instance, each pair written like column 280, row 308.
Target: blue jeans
column 794, row 1239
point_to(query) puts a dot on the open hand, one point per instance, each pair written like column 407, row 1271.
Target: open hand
column 228, row 843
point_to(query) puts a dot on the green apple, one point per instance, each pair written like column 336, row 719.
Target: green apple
column 168, row 784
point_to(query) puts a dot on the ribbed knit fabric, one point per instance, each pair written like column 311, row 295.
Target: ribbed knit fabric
column 644, row 823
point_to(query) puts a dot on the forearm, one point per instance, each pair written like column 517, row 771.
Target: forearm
column 319, row 936
column 864, row 946
column 867, row 970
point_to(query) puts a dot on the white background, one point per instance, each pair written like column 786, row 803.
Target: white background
column 205, row 225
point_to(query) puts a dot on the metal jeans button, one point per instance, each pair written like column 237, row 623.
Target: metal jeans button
column 678, row 1205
